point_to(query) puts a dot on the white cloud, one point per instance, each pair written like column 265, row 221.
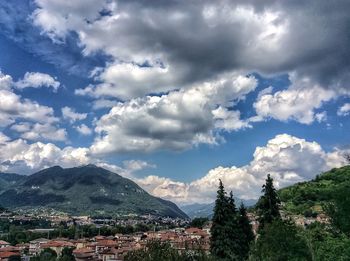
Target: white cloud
column 19, row 156
column 13, row 107
column 71, row 115
column 344, row 110
column 5, row 81
column 177, row 120
column 321, row 116
column 37, row 131
column 297, row 103
column 37, row 80
column 83, row 129
column 288, row 159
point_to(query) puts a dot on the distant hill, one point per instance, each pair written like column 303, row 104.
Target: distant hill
column 87, row 190
column 307, row 198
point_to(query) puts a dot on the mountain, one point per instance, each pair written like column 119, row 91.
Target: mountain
column 87, row 190
column 308, row 198
column 206, row 210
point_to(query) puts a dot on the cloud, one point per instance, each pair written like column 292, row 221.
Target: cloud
column 177, row 120
column 287, row 158
column 70, row 114
column 298, row 102
column 83, row 130
column 21, row 157
column 162, row 46
column 37, row 131
column 37, row 80
column 13, row 107
column 344, row 110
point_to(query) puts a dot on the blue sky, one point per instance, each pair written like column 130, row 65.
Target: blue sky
column 176, row 95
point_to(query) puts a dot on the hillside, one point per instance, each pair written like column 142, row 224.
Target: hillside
column 307, row 198
column 87, row 190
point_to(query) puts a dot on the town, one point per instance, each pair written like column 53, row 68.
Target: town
column 93, row 238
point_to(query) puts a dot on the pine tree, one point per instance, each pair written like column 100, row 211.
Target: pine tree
column 234, row 231
column 247, row 235
column 268, row 204
column 220, row 242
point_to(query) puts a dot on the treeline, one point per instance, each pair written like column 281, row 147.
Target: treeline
column 16, row 233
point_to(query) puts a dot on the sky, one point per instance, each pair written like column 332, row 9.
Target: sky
column 176, row 95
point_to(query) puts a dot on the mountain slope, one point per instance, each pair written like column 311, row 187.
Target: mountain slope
column 308, row 197
column 86, row 190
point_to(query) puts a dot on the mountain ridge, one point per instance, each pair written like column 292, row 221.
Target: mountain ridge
column 84, row 190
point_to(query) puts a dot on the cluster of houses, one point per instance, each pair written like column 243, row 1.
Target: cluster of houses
column 113, row 248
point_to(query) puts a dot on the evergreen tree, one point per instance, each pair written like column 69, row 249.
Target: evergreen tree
column 220, row 242
column 268, row 204
column 234, row 230
column 247, row 235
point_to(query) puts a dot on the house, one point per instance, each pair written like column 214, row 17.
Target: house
column 4, row 244
column 56, row 246
column 5, row 255
column 34, row 245
column 85, row 254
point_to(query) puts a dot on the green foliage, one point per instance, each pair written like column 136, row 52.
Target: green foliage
column 280, row 241
column 310, row 197
column 324, row 244
column 14, row 258
column 220, row 234
column 268, row 204
column 246, row 236
column 339, row 209
column 231, row 233
column 157, row 250
column 67, row 254
column 45, row 255
column 199, row 222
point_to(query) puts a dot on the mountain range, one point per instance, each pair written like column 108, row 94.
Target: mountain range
column 86, row 190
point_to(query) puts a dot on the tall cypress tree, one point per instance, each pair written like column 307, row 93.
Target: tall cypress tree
column 268, row 204
column 247, row 235
column 220, row 243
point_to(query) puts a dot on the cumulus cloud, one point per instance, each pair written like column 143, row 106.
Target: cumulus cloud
column 71, row 115
column 38, row 131
column 172, row 44
column 13, row 107
column 21, row 157
column 344, row 110
column 83, row 130
column 298, row 102
column 177, row 120
column 287, row 158
column 37, row 80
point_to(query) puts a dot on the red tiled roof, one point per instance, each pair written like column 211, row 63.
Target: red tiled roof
column 8, row 254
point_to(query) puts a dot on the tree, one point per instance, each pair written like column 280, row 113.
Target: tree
column 220, row 243
column 155, row 250
column 14, row 258
column 234, row 231
column 46, row 255
column 67, row 254
column 339, row 209
column 268, row 204
column 247, row 235
column 199, row 222
column 279, row 241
